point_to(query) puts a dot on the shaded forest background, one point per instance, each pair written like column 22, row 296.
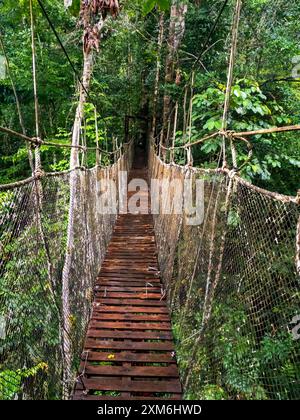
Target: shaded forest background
column 265, row 93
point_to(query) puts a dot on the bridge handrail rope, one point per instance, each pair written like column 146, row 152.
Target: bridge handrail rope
column 227, row 171
column 36, row 141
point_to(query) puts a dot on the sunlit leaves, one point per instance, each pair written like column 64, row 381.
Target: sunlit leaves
column 149, row 5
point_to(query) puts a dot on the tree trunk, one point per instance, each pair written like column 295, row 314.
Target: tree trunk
column 74, row 162
column 176, row 33
column 87, row 72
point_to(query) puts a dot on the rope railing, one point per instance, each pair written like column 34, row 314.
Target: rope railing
column 233, row 135
column 232, row 283
column 53, row 238
column 232, row 276
column 31, row 303
column 35, row 141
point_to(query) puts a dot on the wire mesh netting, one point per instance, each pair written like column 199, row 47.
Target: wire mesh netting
column 233, row 288
column 33, row 234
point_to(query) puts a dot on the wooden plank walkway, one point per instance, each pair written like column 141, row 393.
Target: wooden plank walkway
column 129, row 351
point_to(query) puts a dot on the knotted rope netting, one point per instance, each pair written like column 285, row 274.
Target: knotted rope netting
column 33, row 234
column 233, row 287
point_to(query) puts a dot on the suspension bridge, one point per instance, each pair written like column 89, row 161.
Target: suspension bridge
column 106, row 305
column 108, row 335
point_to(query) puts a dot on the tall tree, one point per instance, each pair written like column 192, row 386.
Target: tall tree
column 176, row 33
column 92, row 16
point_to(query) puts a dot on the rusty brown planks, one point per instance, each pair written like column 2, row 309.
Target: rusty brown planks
column 146, row 335
column 128, row 351
column 117, row 384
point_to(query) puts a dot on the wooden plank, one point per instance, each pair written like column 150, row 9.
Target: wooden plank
column 79, row 395
column 127, row 272
column 123, row 284
column 121, row 255
column 133, row 345
column 116, row 325
column 130, row 309
column 134, row 371
column 125, row 295
column 130, row 317
column 137, row 335
column 130, row 276
column 133, row 302
column 130, row 239
column 127, row 356
column 112, row 384
column 127, row 281
column 134, row 263
column 127, row 289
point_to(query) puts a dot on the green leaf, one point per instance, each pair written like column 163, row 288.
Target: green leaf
column 74, row 8
column 148, row 6
column 163, row 4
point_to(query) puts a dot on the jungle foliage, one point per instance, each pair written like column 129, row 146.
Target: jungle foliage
column 265, row 94
column 266, row 91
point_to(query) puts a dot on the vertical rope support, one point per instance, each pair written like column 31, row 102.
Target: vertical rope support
column 114, row 148
column 174, row 133
column 298, row 248
column 298, row 240
column 189, row 149
column 234, row 39
column 36, row 102
column 97, row 138
column 165, row 151
column 117, row 149
column 184, row 111
column 84, row 143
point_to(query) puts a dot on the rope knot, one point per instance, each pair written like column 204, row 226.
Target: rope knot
column 38, row 173
column 232, row 173
column 229, row 134
column 36, row 142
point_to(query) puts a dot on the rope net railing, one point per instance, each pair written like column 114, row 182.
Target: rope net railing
column 34, row 320
column 232, row 285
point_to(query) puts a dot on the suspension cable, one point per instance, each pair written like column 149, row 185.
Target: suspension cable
column 36, row 103
column 61, row 45
column 213, row 28
column 39, row 142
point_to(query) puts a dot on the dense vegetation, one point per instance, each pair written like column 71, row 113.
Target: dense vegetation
column 265, row 94
column 266, row 91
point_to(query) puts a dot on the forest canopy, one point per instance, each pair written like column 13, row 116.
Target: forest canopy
column 265, row 89
column 206, row 92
